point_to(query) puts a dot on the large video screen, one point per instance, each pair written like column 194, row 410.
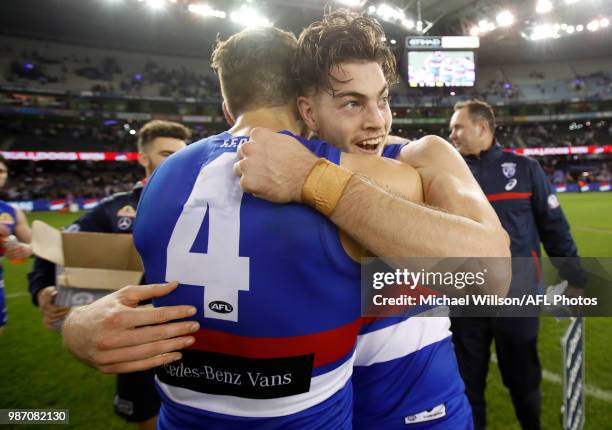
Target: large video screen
column 441, row 69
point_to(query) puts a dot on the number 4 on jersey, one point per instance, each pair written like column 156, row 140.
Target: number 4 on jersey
column 221, row 271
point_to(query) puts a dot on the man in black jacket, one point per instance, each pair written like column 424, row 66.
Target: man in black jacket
column 530, row 212
column 136, row 398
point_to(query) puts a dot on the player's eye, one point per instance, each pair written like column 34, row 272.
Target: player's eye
column 351, row 104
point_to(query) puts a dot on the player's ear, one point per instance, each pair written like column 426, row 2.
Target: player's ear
column 228, row 115
column 305, row 108
column 143, row 159
column 483, row 127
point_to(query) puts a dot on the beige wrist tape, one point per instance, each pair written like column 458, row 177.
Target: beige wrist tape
column 324, row 186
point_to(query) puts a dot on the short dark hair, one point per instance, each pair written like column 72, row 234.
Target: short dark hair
column 157, row 128
column 340, row 37
column 478, row 110
column 254, row 68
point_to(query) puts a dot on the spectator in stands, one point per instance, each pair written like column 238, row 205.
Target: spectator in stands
column 604, row 174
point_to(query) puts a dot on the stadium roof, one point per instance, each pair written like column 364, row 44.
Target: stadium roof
column 167, row 26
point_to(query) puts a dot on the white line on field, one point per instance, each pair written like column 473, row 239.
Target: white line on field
column 589, row 390
column 592, row 229
column 15, row 295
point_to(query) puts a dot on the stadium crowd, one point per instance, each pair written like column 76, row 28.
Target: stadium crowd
column 590, row 87
column 60, row 180
column 109, row 135
column 107, row 76
column 536, row 135
column 102, row 73
column 119, row 136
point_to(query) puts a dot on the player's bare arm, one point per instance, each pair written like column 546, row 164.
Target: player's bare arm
column 22, row 228
column 397, row 178
column 24, row 236
column 394, row 176
column 465, row 215
column 114, row 335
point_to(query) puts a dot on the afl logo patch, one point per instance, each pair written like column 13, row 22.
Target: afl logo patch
column 127, row 211
column 508, row 169
column 6, row 218
column 220, row 307
column 124, row 223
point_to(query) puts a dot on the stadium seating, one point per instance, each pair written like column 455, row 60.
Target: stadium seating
column 30, row 64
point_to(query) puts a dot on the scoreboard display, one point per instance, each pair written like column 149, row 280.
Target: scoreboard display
column 447, row 61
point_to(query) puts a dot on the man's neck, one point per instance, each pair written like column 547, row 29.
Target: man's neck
column 488, row 145
column 276, row 119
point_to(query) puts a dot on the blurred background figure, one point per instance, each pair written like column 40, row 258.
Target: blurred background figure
column 15, row 236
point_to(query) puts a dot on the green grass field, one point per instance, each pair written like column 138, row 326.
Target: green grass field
column 35, row 371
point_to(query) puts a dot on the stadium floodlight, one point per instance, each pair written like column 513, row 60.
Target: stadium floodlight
column 475, row 31
column 543, row 31
column 350, row 3
column 593, row 25
column 205, row 10
column 132, row 132
column 485, row 26
column 604, row 22
column 544, row 6
column 570, row 29
column 393, row 41
column 408, row 23
column 571, row 1
column 156, row 4
column 249, row 17
column 505, row 18
column 579, row 28
column 390, row 13
column 395, row 15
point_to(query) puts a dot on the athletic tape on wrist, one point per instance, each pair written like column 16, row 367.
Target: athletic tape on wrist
column 324, row 186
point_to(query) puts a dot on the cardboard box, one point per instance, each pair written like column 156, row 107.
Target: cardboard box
column 93, row 261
